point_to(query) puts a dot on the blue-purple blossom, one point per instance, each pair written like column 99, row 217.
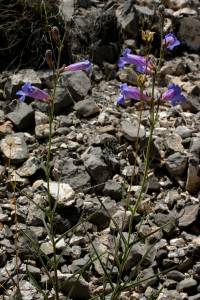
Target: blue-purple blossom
column 130, row 92
column 84, row 65
column 33, row 92
column 170, row 41
column 143, row 65
column 173, row 94
column 129, row 58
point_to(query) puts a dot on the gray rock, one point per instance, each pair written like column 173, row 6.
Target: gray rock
column 113, row 189
column 42, row 125
column 183, row 131
column 193, row 176
column 104, row 247
column 186, row 285
column 176, row 164
column 76, row 285
column 87, row 108
column 34, row 271
column 149, row 277
column 14, row 148
column 30, row 167
column 22, row 117
column 63, row 99
column 139, row 251
column 47, row 248
column 192, row 104
column 66, row 9
column 61, row 192
column 189, row 32
column 77, row 83
column 188, row 215
column 130, row 130
column 35, row 214
column 173, row 143
column 168, row 221
column 65, row 170
column 27, row 291
column 126, row 18
column 175, row 275
column 96, row 165
column 120, row 220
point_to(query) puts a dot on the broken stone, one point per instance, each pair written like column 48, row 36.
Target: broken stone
column 14, row 148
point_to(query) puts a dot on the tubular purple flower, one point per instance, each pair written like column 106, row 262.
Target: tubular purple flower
column 33, row 92
column 85, row 65
column 129, row 58
column 130, row 93
column 143, row 65
column 173, row 94
column 170, row 41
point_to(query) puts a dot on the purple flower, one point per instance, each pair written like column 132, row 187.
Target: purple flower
column 170, row 41
column 129, row 58
column 143, row 65
column 33, row 92
column 130, row 93
column 173, row 94
column 85, row 65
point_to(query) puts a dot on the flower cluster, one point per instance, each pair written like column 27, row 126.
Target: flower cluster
column 146, row 66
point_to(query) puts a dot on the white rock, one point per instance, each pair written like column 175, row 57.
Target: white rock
column 62, row 192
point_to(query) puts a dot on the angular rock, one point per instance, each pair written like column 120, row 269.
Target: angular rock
column 113, row 189
column 77, row 83
column 148, row 277
column 61, row 192
column 176, row 164
column 126, row 18
column 22, row 117
column 168, row 221
column 139, row 250
column 87, row 108
column 186, row 285
column 97, row 168
column 192, row 104
column 42, row 125
column 14, row 148
column 189, row 32
column 175, row 275
column 120, row 220
column 66, row 9
column 30, row 167
column 35, row 214
column 173, row 143
column 193, row 175
column 65, row 170
column 183, row 131
column 188, row 215
column 76, row 285
column 130, row 130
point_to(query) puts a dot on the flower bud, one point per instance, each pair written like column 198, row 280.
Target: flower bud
column 48, row 58
column 55, row 34
column 148, row 36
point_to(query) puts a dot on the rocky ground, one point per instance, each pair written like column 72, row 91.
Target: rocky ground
column 93, row 155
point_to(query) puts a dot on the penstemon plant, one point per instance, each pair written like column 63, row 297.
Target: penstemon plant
column 34, row 92
column 145, row 67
